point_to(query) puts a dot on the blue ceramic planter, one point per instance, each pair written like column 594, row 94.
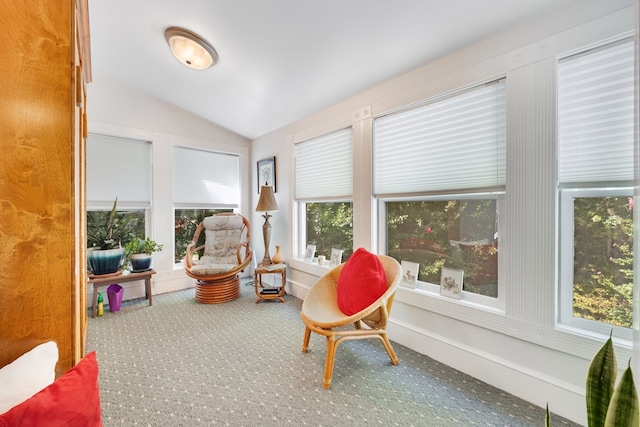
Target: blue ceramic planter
column 104, row 261
column 140, row 262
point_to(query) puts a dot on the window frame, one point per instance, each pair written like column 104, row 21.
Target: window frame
column 433, row 289
column 565, row 318
column 300, row 203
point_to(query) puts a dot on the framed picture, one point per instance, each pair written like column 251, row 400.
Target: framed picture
column 267, row 173
column 336, row 257
column 309, row 253
column 409, row 274
column 451, row 282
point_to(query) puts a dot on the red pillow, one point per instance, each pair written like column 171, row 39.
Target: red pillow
column 362, row 281
column 73, row 400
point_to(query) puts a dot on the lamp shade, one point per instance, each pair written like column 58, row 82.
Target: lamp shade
column 190, row 49
column 267, row 201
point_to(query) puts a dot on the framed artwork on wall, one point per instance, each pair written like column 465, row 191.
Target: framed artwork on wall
column 267, row 173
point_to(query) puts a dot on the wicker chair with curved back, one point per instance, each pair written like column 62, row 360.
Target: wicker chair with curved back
column 321, row 314
column 226, row 253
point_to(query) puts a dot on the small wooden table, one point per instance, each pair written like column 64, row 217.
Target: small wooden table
column 110, row 279
column 268, row 293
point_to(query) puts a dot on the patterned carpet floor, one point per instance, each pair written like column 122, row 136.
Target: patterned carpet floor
column 180, row 363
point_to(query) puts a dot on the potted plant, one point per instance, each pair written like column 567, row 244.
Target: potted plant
column 139, row 253
column 105, row 250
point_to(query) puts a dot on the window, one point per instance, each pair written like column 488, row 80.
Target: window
column 595, row 185
column 204, row 183
column 457, row 234
column 323, row 191
column 113, row 165
column 439, row 169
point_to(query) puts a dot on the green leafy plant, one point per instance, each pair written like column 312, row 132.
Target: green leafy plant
column 142, row 246
column 111, row 233
column 609, row 405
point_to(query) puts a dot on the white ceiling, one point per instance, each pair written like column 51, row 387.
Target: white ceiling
column 281, row 60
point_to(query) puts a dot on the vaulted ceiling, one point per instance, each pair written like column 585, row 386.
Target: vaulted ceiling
column 281, row 60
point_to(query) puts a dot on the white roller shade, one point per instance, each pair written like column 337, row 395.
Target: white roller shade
column 324, row 166
column 456, row 143
column 205, row 178
column 596, row 115
column 118, row 167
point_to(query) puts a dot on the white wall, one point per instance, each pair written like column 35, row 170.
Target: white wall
column 517, row 346
column 118, row 110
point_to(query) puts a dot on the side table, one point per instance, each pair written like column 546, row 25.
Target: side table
column 268, row 293
column 109, row 279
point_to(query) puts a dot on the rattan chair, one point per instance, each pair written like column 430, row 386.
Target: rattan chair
column 226, row 253
column 321, row 314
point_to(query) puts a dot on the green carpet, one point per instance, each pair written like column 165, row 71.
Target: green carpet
column 180, row 363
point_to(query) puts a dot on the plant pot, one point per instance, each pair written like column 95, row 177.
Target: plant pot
column 104, row 261
column 140, row 262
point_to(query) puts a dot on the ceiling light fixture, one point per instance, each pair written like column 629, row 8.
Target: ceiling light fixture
column 190, row 49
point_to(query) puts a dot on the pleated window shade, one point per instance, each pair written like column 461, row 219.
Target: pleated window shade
column 454, row 144
column 324, row 167
column 205, row 178
column 118, row 167
column 596, row 115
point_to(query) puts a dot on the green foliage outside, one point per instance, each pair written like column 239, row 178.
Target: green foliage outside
column 603, row 259
column 330, row 225
column 456, row 234
column 110, row 229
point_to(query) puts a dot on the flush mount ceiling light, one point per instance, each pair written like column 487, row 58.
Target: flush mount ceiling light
column 190, row 49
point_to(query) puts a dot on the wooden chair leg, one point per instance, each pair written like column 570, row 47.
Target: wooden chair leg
column 329, row 361
column 387, row 346
column 305, row 341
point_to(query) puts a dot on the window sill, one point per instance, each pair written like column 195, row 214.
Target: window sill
column 309, row 267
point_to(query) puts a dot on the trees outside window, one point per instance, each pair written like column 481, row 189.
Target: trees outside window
column 459, row 234
column 330, row 225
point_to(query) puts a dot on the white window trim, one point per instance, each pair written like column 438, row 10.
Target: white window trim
column 566, row 320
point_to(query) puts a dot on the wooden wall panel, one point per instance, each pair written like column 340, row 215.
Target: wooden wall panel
column 38, row 177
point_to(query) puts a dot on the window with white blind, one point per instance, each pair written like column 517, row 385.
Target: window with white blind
column 438, row 170
column 596, row 98
column 323, row 170
column 204, row 183
column 118, row 168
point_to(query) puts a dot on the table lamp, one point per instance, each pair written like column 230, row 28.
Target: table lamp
column 267, row 202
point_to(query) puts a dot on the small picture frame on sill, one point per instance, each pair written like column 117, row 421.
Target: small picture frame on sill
column 267, row 173
column 309, row 253
column 336, row 257
column 451, row 282
column 409, row 274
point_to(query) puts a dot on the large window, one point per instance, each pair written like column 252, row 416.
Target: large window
column 458, row 234
column 439, row 170
column 129, row 183
column 204, row 183
column 323, row 191
column 595, row 179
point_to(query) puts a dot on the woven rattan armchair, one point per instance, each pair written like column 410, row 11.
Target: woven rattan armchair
column 226, row 253
column 321, row 314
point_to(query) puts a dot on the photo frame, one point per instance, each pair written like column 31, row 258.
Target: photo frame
column 267, row 173
column 451, row 282
column 336, row 257
column 309, row 253
column 409, row 274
